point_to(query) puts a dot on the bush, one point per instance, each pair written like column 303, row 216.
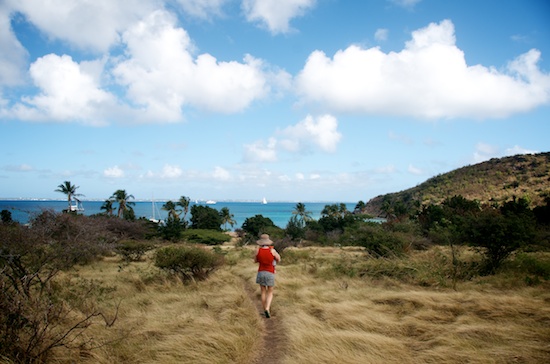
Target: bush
column 187, row 262
column 208, row 237
column 377, row 240
column 133, row 251
column 34, row 317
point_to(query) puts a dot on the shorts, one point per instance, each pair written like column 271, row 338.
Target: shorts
column 265, row 278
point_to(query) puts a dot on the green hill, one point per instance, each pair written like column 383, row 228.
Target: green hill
column 497, row 180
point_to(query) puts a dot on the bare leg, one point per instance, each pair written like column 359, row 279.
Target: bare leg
column 264, row 296
column 268, row 298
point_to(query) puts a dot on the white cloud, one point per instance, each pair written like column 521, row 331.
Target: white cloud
column 260, row 151
column 170, row 172
column 93, row 25
column 13, row 56
column 485, row 152
column 429, row 78
column 162, row 77
column 516, row 149
column 414, row 170
column 203, row 9
column 321, row 132
column 221, row 174
column 113, row 172
column 381, row 34
column 67, row 92
column 275, row 14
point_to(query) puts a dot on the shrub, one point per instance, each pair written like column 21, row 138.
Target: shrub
column 133, row 251
column 377, row 240
column 208, row 237
column 188, row 262
column 34, row 317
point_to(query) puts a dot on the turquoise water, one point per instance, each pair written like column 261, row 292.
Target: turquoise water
column 278, row 212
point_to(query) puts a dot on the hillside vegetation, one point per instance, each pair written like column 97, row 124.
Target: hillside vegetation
column 495, row 181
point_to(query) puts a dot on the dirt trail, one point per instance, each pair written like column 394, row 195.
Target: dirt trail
column 274, row 338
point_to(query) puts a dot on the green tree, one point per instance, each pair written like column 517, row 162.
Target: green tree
column 108, row 207
column 302, row 215
column 205, row 217
column 6, row 216
column 257, row 224
column 499, row 232
column 125, row 208
column 70, row 191
column 184, row 202
column 227, row 217
column 360, row 207
column 173, row 212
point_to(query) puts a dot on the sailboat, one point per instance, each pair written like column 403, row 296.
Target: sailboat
column 77, row 206
column 155, row 209
column 264, row 201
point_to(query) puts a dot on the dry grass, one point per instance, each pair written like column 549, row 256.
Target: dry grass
column 327, row 316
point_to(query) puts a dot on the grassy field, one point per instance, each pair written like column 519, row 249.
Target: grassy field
column 331, row 305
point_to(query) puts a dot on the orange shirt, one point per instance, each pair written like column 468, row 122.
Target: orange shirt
column 265, row 257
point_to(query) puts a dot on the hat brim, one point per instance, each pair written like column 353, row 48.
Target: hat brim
column 264, row 242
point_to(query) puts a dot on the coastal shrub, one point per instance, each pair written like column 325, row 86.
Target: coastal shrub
column 133, row 251
column 208, row 237
column 256, row 225
column 205, row 217
column 188, row 262
column 497, row 233
column 34, row 317
column 376, row 239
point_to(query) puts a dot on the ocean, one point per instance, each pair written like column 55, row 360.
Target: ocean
column 279, row 212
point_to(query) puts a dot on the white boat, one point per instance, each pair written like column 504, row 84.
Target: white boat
column 155, row 209
column 210, row 202
column 264, row 201
column 77, row 206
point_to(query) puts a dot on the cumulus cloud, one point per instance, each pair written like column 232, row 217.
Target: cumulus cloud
column 275, row 14
column 92, row 25
column 13, row 56
column 162, row 76
column 306, row 135
column 67, row 92
column 429, row 78
column 113, row 172
column 169, row 172
column 261, row 151
column 321, row 132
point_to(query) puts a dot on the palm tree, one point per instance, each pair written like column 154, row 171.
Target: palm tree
column 360, row 207
column 70, row 190
column 172, row 210
column 108, row 207
column 184, row 203
column 227, row 217
column 124, row 204
column 302, row 214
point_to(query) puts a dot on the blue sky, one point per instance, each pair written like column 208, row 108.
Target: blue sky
column 292, row 100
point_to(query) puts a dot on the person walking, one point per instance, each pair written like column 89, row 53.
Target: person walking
column 267, row 258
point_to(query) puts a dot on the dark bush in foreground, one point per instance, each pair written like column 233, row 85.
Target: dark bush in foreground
column 34, row 317
column 377, row 240
column 187, row 262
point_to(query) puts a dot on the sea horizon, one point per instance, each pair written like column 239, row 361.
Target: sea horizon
column 279, row 212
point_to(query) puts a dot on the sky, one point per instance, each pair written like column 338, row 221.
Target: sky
column 291, row 100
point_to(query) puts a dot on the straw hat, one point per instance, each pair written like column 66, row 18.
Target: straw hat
column 264, row 240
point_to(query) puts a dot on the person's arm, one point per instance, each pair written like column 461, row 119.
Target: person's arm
column 276, row 255
column 256, row 255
